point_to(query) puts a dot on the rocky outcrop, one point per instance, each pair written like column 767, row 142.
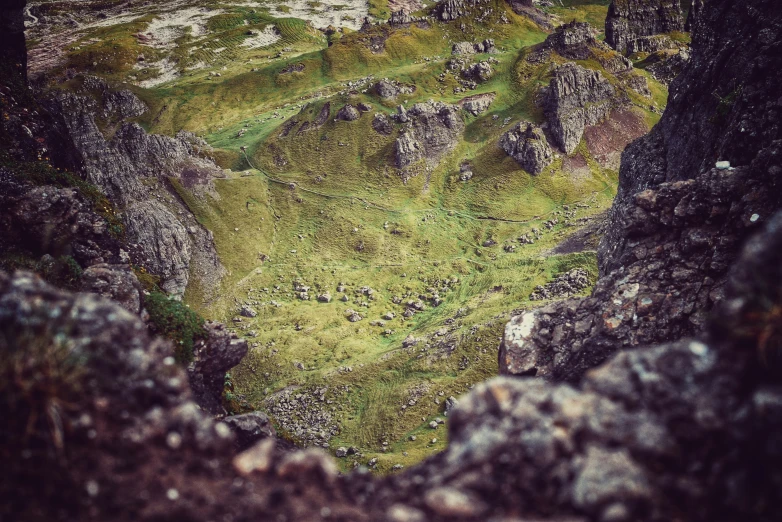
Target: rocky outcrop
column 400, row 18
column 433, row 130
column 447, row 10
column 348, row 113
column 112, row 433
column 115, row 282
column 527, row 144
column 631, row 19
column 478, row 72
column 486, row 46
column 578, row 41
column 119, row 166
column 166, row 244
column 664, row 67
column 382, row 125
column 220, row 351
column 478, row 103
column 576, row 98
column 677, row 223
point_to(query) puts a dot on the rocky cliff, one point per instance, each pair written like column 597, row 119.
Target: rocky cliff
column 631, row 19
column 169, row 240
column 678, row 222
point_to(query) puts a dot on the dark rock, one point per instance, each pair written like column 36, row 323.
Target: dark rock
column 529, row 9
column 628, row 20
column 381, row 124
column 348, row 113
column 115, row 282
column 364, row 107
column 249, row 428
column 527, row 145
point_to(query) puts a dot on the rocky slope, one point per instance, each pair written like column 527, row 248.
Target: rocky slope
column 677, row 223
column 630, row 19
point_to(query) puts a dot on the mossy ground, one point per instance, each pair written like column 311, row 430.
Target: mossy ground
column 361, row 225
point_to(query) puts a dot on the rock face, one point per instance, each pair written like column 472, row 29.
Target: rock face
column 631, row 19
column 433, row 130
column 528, row 146
column 677, row 223
column 115, row 282
column 576, row 97
column 118, row 166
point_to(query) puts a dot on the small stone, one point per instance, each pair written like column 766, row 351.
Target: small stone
column 433, row 425
column 723, row 165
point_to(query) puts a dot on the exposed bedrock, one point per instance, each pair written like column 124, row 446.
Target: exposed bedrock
column 432, row 130
column 677, row 223
column 119, row 165
column 631, row 19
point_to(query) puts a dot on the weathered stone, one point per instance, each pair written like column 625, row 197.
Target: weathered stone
column 577, row 97
column 527, row 145
column 434, row 130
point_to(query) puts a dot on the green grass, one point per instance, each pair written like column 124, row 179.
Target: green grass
column 359, row 224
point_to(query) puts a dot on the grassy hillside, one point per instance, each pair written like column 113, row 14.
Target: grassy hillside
column 326, row 209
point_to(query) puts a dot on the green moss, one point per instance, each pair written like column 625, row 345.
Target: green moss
column 174, row 320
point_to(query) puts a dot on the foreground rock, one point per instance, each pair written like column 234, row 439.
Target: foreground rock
column 527, row 145
column 631, row 19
